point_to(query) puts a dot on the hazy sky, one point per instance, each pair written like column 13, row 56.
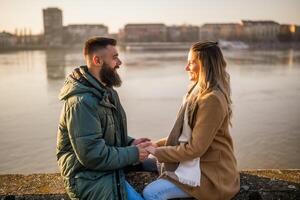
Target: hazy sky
column 116, row 13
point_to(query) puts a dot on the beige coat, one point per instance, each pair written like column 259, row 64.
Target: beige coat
column 211, row 141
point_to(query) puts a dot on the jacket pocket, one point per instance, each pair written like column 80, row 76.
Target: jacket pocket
column 94, row 185
column 211, row 156
column 90, row 175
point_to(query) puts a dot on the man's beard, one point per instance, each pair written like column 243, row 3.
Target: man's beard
column 109, row 76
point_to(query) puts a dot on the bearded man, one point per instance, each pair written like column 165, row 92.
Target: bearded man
column 93, row 147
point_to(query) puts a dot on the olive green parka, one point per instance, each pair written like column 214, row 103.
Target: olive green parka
column 92, row 141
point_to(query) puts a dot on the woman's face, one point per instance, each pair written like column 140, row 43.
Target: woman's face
column 193, row 66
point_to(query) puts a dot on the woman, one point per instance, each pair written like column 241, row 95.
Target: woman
column 197, row 157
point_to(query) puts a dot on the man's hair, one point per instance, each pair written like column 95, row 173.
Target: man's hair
column 96, row 43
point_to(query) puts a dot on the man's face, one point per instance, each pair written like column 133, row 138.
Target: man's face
column 111, row 57
column 108, row 71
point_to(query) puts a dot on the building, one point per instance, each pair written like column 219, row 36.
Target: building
column 79, row 33
column 287, row 33
column 36, row 39
column 7, row 40
column 297, row 33
column 184, row 33
column 226, row 31
column 53, row 27
column 56, row 35
column 145, row 33
column 260, row 30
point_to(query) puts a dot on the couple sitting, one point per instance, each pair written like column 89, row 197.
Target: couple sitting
column 93, row 148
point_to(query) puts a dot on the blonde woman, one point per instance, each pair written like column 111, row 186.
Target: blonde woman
column 197, row 157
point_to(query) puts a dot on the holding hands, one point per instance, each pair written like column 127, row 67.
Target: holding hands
column 145, row 147
column 151, row 148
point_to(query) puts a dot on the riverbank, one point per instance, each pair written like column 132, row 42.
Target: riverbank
column 167, row 46
column 255, row 184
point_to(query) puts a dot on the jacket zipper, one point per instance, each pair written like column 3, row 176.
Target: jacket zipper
column 120, row 129
column 118, row 185
column 120, row 126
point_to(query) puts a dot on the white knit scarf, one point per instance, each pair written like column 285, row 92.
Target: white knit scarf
column 188, row 172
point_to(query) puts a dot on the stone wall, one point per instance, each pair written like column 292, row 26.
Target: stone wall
column 255, row 184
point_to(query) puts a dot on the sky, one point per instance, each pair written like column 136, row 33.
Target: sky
column 115, row 14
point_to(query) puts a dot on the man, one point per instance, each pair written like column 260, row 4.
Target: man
column 92, row 142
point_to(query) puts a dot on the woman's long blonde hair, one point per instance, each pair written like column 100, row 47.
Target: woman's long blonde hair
column 212, row 73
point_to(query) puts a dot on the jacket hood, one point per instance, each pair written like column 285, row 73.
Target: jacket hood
column 80, row 81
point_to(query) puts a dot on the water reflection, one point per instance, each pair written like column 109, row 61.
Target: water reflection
column 265, row 88
column 286, row 57
column 291, row 58
column 59, row 63
column 55, row 64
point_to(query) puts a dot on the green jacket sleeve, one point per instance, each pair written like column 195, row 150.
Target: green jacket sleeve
column 129, row 140
column 85, row 133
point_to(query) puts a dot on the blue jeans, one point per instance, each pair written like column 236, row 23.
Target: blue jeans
column 131, row 193
column 163, row 189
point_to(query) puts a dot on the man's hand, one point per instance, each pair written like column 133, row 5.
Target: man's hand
column 151, row 148
column 139, row 141
column 143, row 153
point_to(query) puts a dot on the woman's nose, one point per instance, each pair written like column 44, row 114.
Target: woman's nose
column 187, row 68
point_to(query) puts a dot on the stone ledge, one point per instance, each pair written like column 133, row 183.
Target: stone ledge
column 255, row 184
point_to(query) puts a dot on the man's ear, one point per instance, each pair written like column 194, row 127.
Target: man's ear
column 97, row 60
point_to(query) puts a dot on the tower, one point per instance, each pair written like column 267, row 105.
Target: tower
column 53, row 27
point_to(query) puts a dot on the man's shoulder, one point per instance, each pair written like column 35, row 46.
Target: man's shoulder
column 88, row 99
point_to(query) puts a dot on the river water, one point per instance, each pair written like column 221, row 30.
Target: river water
column 265, row 93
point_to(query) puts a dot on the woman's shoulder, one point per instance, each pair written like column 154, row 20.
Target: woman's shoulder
column 214, row 97
column 213, row 94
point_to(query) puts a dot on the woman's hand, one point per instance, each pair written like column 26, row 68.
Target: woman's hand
column 161, row 142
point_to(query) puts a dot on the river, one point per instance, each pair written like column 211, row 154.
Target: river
column 265, row 93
